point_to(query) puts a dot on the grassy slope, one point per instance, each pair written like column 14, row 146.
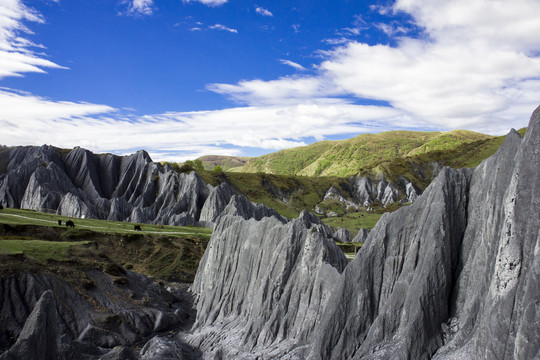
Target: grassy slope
column 416, row 168
column 287, row 162
column 163, row 253
column 226, row 162
column 346, row 157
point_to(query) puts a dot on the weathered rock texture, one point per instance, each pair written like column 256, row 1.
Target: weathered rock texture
column 453, row 276
column 130, row 188
column 44, row 317
column 363, row 192
column 261, row 283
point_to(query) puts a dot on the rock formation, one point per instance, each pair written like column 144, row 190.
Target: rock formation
column 261, row 283
column 130, row 188
column 44, row 317
column 455, row 275
column 365, row 191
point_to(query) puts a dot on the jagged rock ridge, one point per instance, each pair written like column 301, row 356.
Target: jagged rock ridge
column 261, row 284
column 130, row 188
column 454, row 275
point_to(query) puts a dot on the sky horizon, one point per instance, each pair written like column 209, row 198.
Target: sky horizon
column 186, row 78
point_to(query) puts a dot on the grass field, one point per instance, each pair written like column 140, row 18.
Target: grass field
column 39, row 250
column 354, row 221
column 29, row 217
column 346, row 157
column 161, row 252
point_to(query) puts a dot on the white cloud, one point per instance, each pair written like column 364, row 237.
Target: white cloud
column 181, row 135
column 336, row 41
column 463, row 75
column 16, row 54
column 211, row 3
column 283, row 91
column 470, row 68
column 262, row 11
column 139, row 7
column 223, row 28
column 292, row 64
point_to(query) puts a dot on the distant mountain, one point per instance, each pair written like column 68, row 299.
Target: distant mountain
column 347, row 157
column 225, row 162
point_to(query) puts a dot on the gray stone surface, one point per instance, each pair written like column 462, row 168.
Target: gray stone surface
column 39, row 336
column 159, row 348
column 261, row 283
column 217, row 201
column 361, row 236
column 342, row 235
column 455, row 275
column 44, row 317
column 129, row 188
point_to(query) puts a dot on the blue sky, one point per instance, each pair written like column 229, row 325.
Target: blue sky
column 186, row 78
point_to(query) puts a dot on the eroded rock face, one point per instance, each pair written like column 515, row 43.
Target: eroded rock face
column 261, row 283
column 44, row 317
column 38, row 338
column 364, row 192
column 130, row 188
column 455, row 275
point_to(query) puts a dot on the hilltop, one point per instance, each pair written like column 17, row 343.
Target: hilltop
column 344, row 158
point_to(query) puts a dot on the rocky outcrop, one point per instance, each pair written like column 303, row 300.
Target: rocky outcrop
column 342, row 235
column 455, row 275
column 361, row 236
column 334, row 194
column 217, row 201
column 44, row 317
column 38, row 338
column 261, row 283
column 365, row 191
column 132, row 188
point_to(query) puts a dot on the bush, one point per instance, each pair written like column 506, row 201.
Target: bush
column 218, row 170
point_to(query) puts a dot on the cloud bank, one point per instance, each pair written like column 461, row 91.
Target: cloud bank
column 476, row 65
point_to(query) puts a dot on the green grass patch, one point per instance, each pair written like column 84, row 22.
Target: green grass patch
column 345, row 157
column 39, row 250
column 354, row 221
column 30, row 217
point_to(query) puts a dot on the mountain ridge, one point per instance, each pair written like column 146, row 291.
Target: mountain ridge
column 346, row 157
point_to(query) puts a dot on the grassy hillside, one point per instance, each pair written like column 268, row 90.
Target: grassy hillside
column 346, row 157
column 161, row 252
column 417, row 167
column 226, row 162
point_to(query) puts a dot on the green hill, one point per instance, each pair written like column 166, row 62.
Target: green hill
column 226, row 162
column 346, row 157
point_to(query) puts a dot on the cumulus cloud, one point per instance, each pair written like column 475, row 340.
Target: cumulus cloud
column 460, row 73
column 223, row 28
column 469, row 68
column 262, row 11
column 283, row 91
column 182, row 135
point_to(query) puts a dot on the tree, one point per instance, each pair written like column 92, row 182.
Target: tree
column 198, row 164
